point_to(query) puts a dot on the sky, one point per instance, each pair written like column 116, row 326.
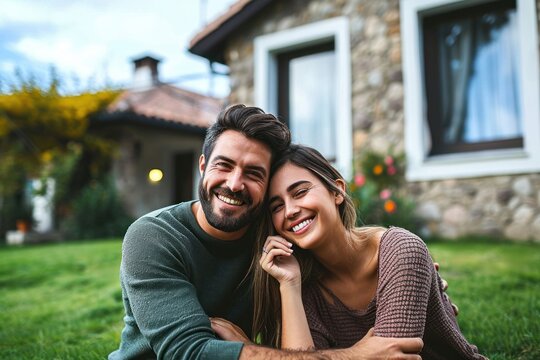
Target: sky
column 90, row 43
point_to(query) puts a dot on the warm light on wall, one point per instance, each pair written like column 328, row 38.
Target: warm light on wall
column 155, row 175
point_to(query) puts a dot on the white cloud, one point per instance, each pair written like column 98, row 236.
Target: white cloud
column 64, row 53
column 7, row 67
column 98, row 37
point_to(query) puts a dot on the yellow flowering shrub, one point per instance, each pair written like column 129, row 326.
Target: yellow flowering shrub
column 38, row 129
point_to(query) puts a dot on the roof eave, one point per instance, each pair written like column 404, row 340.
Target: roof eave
column 131, row 118
column 211, row 45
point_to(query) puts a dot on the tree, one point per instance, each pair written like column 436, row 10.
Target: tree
column 44, row 134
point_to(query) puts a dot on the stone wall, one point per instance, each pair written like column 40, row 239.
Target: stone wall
column 498, row 206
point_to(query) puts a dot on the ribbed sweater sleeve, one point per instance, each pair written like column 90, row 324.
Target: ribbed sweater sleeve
column 404, row 286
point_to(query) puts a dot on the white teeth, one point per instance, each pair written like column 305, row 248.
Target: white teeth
column 229, row 200
column 302, row 225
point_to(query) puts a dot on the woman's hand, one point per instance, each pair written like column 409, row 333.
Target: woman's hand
column 278, row 261
column 226, row 330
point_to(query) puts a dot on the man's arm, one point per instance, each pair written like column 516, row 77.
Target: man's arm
column 370, row 347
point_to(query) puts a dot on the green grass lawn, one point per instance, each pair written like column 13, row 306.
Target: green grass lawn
column 63, row 301
column 60, row 301
column 497, row 289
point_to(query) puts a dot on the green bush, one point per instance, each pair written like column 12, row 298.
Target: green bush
column 96, row 212
column 378, row 195
column 13, row 208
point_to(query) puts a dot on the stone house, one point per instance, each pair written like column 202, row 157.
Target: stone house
column 454, row 85
column 159, row 130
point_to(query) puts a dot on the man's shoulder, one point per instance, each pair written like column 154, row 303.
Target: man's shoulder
column 176, row 214
column 158, row 212
column 171, row 222
column 180, row 211
column 160, row 236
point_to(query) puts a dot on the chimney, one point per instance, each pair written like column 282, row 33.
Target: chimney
column 145, row 74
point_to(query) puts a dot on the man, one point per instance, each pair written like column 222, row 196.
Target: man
column 188, row 262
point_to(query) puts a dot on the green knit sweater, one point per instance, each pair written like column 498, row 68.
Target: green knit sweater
column 174, row 276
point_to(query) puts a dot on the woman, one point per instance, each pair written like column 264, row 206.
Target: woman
column 342, row 280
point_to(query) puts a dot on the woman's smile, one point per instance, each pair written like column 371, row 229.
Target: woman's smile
column 302, row 226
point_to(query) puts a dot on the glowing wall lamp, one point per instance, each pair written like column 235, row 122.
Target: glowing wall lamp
column 155, row 175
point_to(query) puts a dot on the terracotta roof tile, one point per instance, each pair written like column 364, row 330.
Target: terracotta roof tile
column 169, row 103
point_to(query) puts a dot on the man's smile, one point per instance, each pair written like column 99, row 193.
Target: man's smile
column 229, row 200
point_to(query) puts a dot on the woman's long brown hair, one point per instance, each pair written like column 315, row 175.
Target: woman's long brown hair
column 267, row 300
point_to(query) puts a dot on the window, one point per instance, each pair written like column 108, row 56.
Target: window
column 473, row 110
column 307, row 96
column 471, row 79
column 303, row 75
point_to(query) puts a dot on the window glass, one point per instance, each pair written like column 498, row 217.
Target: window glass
column 312, row 101
column 307, row 96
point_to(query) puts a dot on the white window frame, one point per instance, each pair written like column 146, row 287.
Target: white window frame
column 421, row 166
column 267, row 47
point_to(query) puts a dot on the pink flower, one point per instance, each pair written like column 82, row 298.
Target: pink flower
column 391, row 170
column 385, row 194
column 359, row 180
column 388, row 160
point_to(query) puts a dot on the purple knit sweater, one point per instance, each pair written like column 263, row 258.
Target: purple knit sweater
column 409, row 302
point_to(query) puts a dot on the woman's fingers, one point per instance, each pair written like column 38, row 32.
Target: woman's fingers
column 269, row 259
column 275, row 241
column 444, row 284
column 228, row 331
column 455, row 308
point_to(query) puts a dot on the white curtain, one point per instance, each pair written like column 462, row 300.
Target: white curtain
column 493, row 110
column 457, row 50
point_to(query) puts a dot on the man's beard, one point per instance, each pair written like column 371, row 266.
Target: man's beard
column 227, row 222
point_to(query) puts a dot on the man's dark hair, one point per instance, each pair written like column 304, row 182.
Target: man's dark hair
column 253, row 123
